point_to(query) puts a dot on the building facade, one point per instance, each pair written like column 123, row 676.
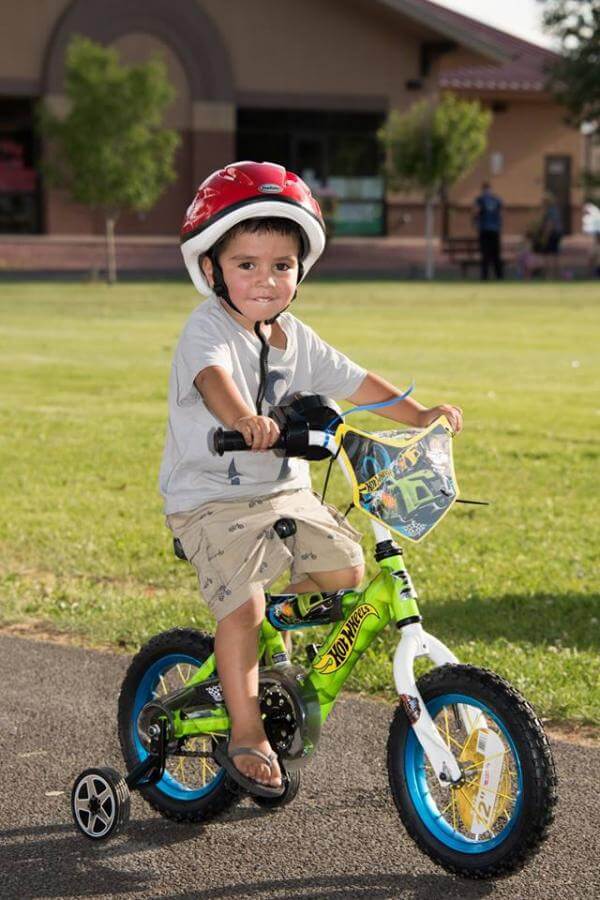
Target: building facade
column 306, row 84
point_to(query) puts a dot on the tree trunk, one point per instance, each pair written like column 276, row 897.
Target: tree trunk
column 111, row 255
column 429, row 257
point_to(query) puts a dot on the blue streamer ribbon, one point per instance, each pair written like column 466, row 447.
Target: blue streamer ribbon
column 380, row 405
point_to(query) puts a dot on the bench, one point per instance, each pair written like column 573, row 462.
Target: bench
column 463, row 251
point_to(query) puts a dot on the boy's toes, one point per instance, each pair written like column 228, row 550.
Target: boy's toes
column 253, row 768
column 274, row 774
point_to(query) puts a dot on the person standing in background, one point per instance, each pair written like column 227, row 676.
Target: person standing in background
column 488, row 219
column 550, row 234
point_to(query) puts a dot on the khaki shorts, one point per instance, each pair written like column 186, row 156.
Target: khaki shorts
column 235, row 550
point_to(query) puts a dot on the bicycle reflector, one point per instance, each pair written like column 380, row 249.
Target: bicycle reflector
column 404, row 479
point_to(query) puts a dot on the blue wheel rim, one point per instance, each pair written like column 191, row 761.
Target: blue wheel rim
column 168, row 784
column 424, row 804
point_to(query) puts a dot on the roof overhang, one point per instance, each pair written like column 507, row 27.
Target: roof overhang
column 414, row 9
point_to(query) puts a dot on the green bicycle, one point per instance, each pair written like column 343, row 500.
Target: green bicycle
column 470, row 768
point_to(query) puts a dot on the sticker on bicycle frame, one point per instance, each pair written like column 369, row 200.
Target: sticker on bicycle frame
column 341, row 648
column 411, row 706
column 404, row 479
column 215, row 692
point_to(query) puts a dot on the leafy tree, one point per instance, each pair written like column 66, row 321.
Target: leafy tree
column 110, row 150
column 574, row 77
column 431, row 147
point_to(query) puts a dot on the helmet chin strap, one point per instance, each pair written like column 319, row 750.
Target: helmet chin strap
column 222, row 291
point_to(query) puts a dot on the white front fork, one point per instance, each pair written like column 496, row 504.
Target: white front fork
column 416, row 642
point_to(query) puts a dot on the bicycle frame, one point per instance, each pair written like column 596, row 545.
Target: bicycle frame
column 389, row 596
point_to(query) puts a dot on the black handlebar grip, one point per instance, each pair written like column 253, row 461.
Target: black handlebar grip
column 225, row 441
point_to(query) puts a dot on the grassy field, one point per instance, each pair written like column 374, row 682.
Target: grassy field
column 513, row 586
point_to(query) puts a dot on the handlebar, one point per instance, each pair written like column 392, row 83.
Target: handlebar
column 226, row 441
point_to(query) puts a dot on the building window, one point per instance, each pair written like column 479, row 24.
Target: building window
column 19, row 180
column 337, row 153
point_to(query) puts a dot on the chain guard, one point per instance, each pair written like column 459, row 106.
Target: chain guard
column 291, row 713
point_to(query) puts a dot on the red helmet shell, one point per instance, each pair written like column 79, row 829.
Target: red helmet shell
column 248, row 190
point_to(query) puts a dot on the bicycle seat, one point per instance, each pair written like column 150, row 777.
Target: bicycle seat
column 178, row 549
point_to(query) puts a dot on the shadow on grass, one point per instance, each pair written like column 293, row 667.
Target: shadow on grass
column 571, row 620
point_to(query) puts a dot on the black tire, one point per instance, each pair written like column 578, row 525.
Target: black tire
column 292, row 782
column 105, row 788
column 198, row 646
column 538, row 797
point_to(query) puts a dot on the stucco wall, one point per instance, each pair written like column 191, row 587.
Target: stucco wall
column 27, row 26
column 524, row 134
column 346, row 52
column 333, row 47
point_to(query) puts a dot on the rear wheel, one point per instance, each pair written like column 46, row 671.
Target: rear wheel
column 497, row 817
column 291, row 781
column 193, row 788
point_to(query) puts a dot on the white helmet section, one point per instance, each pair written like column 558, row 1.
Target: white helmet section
column 194, row 248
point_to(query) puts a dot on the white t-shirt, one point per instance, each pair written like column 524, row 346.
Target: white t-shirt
column 191, row 473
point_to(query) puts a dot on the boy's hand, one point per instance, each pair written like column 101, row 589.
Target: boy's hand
column 259, row 432
column 452, row 413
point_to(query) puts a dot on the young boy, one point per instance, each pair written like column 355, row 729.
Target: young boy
column 250, row 236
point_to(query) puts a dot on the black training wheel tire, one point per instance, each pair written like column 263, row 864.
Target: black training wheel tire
column 291, row 781
column 539, row 775
column 198, row 645
column 100, row 803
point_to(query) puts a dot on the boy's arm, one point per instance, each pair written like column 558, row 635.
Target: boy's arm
column 222, row 397
column 374, row 389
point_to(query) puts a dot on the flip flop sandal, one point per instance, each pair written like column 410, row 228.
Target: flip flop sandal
column 225, row 759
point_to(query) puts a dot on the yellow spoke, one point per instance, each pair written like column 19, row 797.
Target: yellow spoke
column 447, row 725
column 479, row 716
column 475, row 813
column 446, row 808
column 497, row 793
column 487, row 759
column 453, row 805
column 448, row 736
column 163, row 684
column 460, row 746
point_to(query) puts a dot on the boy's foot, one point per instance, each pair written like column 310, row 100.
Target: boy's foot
column 227, row 755
column 253, row 766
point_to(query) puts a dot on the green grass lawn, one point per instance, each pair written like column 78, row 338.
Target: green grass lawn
column 513, row 586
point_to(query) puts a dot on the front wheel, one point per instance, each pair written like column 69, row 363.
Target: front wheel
column 496, row 818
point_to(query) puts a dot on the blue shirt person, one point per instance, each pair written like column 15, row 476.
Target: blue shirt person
column 488, row 219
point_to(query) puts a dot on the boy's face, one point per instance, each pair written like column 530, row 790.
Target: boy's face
column 260, row 271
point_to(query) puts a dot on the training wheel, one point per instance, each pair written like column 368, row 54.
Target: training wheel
column 100, row 802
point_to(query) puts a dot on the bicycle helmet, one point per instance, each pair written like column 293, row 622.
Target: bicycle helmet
column 241, row 191
column 248, row 190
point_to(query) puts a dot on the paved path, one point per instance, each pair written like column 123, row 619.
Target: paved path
column 340, row 838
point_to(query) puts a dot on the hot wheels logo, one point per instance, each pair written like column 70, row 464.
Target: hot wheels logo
column 341, row 648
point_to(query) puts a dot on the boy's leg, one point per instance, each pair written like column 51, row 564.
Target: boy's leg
column 336, row 580
column 236, row 646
